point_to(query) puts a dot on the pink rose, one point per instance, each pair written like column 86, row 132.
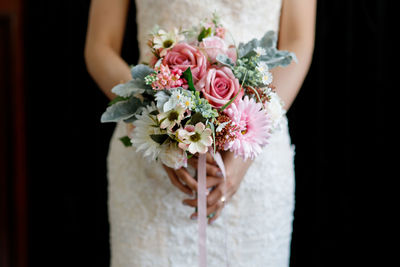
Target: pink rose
column 219, row 86
column 183, row 56
column 214, row 46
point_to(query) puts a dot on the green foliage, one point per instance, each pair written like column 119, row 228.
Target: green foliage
column 141, row 71
column 159, row 138
column 246, row 67
column 126, row 141
column 187, row 74
column 122, row 110
column 203, row 107
column 204, row 33
column 117, row 99
column 195, row 118
column 273, row 57
column 225, row 60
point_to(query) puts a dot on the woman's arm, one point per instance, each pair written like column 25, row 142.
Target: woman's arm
column 296, row 34
column 107, row 19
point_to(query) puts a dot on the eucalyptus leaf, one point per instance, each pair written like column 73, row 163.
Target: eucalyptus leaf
column 121, row 110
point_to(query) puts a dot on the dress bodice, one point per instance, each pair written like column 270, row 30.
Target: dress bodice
column 244, row 19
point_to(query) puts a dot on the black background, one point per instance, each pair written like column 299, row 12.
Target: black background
column 338, row 124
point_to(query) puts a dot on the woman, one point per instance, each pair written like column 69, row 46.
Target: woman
column 149, row 213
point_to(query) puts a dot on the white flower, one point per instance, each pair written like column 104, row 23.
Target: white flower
column 259, row 51
column 195, row 138
column 144, row 127
column 166, row 40
column 262, row 67
column 274, row 109
column 172, row 156
column 172, row 117
column 178, row 98
column 267, row 78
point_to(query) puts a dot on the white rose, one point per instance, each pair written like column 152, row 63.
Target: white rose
column 275, row 109
column 172, row 156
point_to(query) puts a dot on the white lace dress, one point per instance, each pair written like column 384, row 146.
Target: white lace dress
column 149, row 224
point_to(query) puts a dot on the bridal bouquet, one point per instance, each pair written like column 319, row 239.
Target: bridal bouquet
column 200, row 93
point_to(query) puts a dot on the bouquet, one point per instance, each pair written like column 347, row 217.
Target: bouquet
column 200, row 93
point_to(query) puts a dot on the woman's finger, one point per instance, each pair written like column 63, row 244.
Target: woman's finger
column 184, row 175
column 190, row 202
column 175, row 181
column 213, row 181
column 215, row 194
column 210, row 158
column 211, row 170
column 210, row 210
column 216, row 215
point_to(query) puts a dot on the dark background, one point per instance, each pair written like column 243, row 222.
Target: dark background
column 338, row 124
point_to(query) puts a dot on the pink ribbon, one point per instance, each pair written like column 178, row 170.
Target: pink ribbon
column 202, row 210
column 202, row 203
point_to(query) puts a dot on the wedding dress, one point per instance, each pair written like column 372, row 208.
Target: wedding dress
column 149, row 224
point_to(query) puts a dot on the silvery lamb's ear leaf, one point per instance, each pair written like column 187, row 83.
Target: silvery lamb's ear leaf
column 247, row 48
column 140, row 71
column 138, row 111
column 275, row 58
column 162, row 97
column 121, row 110
column 130, row 88
column 268, row 40
column 225, row 60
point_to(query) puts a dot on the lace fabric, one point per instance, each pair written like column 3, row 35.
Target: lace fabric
column 149, row 224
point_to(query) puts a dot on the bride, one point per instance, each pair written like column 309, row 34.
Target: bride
column 152, row 207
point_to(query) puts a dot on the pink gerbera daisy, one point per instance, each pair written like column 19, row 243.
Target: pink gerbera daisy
column 254, row 126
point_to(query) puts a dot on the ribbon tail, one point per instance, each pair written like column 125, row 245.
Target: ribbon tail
column 202, row 210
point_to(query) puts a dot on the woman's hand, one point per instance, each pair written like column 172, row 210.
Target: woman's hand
column 188, row 184
column 236, row 168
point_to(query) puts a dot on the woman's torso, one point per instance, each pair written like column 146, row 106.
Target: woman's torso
column 244, row 19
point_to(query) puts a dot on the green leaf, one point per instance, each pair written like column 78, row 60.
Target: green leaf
column 126, row 141
column 187, row 74
column 204, row 33
column 159, row 138
column 196, row 117
column 117, row 99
